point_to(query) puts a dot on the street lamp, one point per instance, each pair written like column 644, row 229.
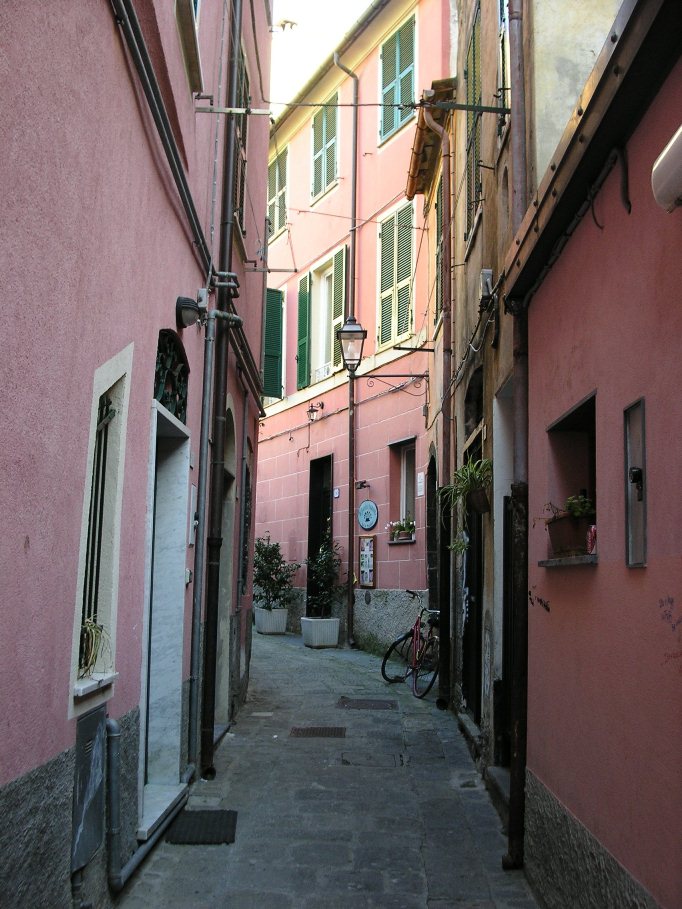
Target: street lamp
column 351, row 337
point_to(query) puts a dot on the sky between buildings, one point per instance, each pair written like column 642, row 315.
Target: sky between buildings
column 299, row 49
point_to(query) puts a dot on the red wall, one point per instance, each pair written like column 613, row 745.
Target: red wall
column 605, row 660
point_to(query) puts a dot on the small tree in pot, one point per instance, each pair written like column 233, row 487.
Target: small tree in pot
column 318, row 626
column 272, row 582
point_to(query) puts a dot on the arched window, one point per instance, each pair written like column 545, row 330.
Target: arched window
column 171, row 379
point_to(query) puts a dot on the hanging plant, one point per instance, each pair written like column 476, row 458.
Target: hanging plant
column 468, row 491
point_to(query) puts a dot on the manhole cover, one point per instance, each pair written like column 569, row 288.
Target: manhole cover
column 364, row 704
column 371, row 759
column 318, row 732
column 193, row 828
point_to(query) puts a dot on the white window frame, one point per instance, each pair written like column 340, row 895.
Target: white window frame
column 89, row 692
column 408, row 500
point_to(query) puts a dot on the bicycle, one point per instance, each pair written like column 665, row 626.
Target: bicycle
column 415, row 653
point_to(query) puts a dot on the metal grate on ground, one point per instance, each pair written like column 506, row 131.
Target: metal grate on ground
column 318, row 732
column 365, row 704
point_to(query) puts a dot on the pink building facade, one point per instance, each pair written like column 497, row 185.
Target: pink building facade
column 385, row 277
column 603, row 793
column 111, row 183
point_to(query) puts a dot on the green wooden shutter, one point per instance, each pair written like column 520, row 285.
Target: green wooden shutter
column 330, row 143
column 389, row 85
column 406, row 69
column 303, row 347
column 318, row 152
column 272, row 352
column 338, row 305
column 272, row 196
column 387, row 282
column 404, row 270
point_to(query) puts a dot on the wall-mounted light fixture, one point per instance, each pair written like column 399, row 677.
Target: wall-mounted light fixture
column 188, row 311
column 351, row 337
column 485, row 292
column 313, row 408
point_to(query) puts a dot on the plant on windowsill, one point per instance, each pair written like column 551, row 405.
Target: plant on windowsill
column 272, row 586
column 319, row 627
column 569, row 525
column 468, row 491
column 94, row 642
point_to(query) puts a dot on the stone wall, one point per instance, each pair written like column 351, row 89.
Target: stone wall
column 35, row 833
column 567, row 866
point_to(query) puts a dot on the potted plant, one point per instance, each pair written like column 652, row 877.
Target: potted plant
column 393, row 528
column 468, row 491
column 272, row 586
column 407, row 528
column 318, row 626
column 568, row 526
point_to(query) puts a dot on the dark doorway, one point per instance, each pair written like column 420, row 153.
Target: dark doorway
column 472, row 594
column 319, row 507
column 432, row 532
column 502, row 686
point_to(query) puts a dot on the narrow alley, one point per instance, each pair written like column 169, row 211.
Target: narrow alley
column 390, row 812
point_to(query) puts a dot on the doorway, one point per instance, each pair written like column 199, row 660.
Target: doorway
column 319, row 508
column 472, row 597
column 162, row 680
column 225, row 596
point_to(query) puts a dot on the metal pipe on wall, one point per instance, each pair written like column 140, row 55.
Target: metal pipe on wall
column 446, row 408
column 350, row 584
column 214, row 538
column 519, row 694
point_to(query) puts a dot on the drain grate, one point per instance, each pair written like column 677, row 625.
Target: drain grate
column 318, row 732
column 365, row 704
column 193, row 828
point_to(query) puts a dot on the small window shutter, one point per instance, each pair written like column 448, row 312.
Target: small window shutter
column 318, row 152
column 387, row 253
column 338, row 306
column 303, row 350
column 406, row 64
column 272, row 354
column 330, row 143
column 272, row 197
column 389, row 85
column 281, row 213
column 404, row 269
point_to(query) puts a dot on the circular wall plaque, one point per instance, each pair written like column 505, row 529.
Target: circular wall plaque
column 368, row 514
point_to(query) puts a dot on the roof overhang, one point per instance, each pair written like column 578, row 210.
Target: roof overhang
column 641, row 49
column 425, row 153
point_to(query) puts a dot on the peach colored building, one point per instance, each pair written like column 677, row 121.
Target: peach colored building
column 381, row 267
column 596, row 265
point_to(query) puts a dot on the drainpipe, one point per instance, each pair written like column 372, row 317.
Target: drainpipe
column 350, row 587
column 120, row 875
column 446, row 409
column 214, row 538
column 519, row 490
column 242, row 496
column 200, row 519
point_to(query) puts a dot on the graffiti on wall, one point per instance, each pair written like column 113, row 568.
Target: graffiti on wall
column 671, row 615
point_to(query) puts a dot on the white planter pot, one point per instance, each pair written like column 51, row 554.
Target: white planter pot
column 270, row 621
column 320, row 632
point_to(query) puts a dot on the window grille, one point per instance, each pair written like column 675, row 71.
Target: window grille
column 105, row 414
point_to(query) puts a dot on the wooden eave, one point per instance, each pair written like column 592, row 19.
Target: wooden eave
column 425, row 153
column 642, row 47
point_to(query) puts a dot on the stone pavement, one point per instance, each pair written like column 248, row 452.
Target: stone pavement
column 393, row 815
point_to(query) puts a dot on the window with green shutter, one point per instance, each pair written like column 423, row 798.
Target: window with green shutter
column 397, row 79
column 339, row 301
column 472, row 76
column 324, row 147
column 277, row 188
column 241, row 130
column 272, row 345
column 395, row 276
column 303, row 345
column 503, row 68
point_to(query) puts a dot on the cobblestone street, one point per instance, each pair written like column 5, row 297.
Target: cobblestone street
column 392, row 815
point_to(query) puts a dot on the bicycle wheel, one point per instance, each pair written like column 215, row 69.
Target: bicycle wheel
column 396, row 662
column 427, row 668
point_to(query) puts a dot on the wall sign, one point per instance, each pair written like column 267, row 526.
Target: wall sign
column 366, row 557
column 368, row 514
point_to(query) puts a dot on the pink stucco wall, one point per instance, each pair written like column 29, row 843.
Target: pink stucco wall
column 94, row 250
column 605, row 662
column 313, row 233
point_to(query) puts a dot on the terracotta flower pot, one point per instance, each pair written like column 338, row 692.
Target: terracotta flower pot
column 568, row 535
column 477, row 500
